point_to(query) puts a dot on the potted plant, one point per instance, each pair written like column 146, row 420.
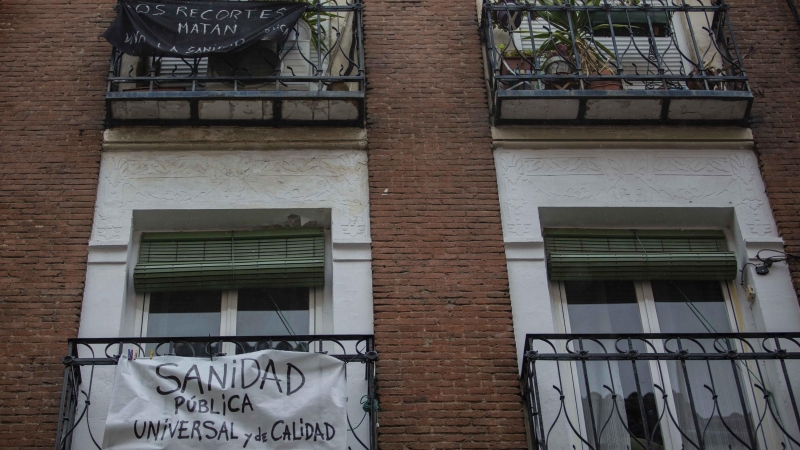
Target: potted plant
column 610, row 84
column 508, row 20
column 699, row 84
column 515, row 61
column 561, row 53
column 313, row 18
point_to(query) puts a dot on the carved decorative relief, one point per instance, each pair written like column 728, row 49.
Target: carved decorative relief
column 689, row 166
column 109, row 226
column 354, row 227
column 216, row 180
column 560, row 166
column 745, row 168
column 529, row 179
column 515, row 218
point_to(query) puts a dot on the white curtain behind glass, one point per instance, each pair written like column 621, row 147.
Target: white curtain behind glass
column 611, row 307
column 699, row 307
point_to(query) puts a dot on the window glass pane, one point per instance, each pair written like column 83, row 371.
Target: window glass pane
column 690, row 307
column 184, row 314
column 602, row 307
column 272, row 312
column 699, row 307
column 611, row 307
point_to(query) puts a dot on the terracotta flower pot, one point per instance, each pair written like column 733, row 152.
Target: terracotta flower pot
column 605, row 85
column 516, row 65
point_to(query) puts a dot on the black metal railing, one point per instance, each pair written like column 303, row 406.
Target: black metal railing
column 587, row 44
column 85, row 356
column 653, row 48
column 323, row 59
column 662, row 391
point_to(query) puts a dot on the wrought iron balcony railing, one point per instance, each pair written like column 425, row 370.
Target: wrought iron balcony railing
column 614, row 60
column 662, row 391
column 89, row 366
column 316, row 78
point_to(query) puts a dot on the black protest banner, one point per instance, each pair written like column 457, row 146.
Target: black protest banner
column 199, row 28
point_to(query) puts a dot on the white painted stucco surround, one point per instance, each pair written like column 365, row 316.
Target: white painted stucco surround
column 154, row 190
column 637, row 188
column 582, row 185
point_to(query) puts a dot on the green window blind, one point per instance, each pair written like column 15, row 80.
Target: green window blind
column 579, row 254
column 191, row 261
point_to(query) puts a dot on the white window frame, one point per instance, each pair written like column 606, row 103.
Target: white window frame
column 645, row 300
column 229, row 310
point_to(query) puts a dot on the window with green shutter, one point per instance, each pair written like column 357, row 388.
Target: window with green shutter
column 582, row 254
column 195, row 261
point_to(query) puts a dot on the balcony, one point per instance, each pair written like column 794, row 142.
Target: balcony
column 317, row 78
column 614, row 61
column 661, row 391
column 89, row 371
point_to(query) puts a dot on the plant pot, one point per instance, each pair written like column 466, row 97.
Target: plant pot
column 558, row 65
column 699, row 85
column 605, row 85
column 510, row 20
column 516, row 65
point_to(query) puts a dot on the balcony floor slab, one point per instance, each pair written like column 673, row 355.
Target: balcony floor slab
column 678, row 106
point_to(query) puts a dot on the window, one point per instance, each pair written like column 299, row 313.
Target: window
column 261, row 283
column 628, row 307
column 244, row 312
column 628, row 283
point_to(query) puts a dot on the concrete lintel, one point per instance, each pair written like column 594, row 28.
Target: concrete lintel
column 536, row 137
column 233, row 138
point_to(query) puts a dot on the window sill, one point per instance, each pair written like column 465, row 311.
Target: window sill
column 669, row 137
column 132, row 138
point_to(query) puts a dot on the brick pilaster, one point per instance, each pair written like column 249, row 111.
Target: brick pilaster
column 448, row 375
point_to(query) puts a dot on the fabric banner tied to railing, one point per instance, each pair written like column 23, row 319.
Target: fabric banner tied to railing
column 199, row 28
column 191, row 261
column 276, row 399
column 582, row 254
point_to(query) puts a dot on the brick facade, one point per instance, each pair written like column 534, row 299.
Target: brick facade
column 51, row 118
column 771, row 30
column 448, row 375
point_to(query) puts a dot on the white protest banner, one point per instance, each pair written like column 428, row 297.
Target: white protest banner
column 264, row 400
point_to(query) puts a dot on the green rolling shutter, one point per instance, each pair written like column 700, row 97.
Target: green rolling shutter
column 579, row 254
column 192, row 261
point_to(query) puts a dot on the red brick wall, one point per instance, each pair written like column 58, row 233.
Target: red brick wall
column 447, row 376
column 774, row 70
column 52, row 68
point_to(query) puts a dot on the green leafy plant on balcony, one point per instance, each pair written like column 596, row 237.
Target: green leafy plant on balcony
column 315, row 21
column 506, row 52
column 595, row 58
column 569, row 40
column 558, row 42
